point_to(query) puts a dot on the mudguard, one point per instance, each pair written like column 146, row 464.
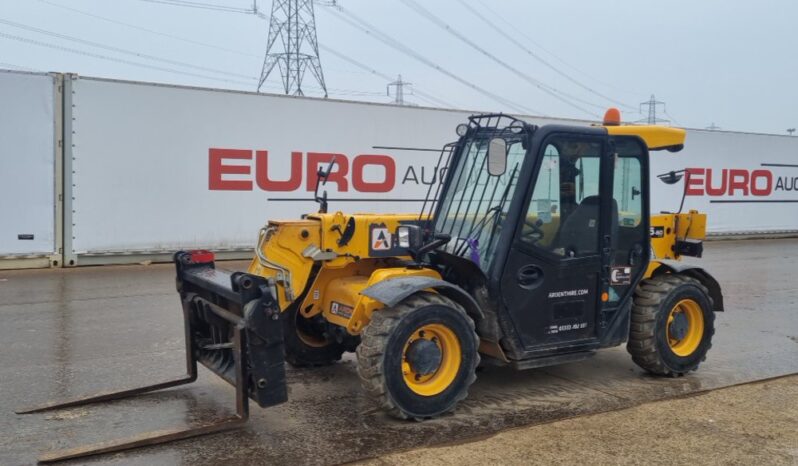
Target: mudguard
column 392, row 291
column 697, row 272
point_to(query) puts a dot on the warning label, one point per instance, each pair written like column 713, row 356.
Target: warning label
column 341, row 309
column 621, row 275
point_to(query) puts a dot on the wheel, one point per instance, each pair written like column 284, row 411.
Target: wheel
column 305, row 342
column 418, row 358
column 672, row 325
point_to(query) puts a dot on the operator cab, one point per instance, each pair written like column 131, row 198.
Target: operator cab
column 556, row 219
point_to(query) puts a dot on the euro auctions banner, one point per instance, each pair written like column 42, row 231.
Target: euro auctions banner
column 747, row 183
column 157, row 168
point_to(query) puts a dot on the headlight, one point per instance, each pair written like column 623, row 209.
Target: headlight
column 403, row 235
column 462, row 129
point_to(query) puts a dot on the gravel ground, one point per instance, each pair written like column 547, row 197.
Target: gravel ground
column 746, row 424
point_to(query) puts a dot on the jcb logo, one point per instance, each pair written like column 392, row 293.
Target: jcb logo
column 232, row 170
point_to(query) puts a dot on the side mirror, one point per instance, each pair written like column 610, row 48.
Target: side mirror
column 672, row 177
column 497, row 157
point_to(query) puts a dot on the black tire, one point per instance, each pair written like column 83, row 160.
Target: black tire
column 305, row 343
column 648, row 337
column 380, row 355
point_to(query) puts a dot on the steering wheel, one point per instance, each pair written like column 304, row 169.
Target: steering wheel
column 535, row 234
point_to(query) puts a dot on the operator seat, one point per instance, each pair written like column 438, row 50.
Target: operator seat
column 578, row 235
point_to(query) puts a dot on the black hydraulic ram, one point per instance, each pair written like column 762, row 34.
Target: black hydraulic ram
column 232, row 327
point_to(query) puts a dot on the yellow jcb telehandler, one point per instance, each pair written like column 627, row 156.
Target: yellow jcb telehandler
column 537, row 248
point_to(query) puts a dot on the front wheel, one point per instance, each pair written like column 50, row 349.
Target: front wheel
column 672, row 325
column 418, row 358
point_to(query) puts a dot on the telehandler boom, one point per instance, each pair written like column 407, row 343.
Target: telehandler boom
column 537, row 248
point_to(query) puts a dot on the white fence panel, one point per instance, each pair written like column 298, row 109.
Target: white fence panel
column 27, row 164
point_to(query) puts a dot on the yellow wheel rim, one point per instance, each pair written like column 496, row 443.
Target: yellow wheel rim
column 310, row 340
column 684, row 343
column 306, row 337
column 440, row 378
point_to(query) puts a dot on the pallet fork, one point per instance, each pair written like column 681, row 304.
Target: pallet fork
column 232, row 326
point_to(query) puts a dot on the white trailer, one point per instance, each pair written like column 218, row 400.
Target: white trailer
column 30, row 170
column 149, row 168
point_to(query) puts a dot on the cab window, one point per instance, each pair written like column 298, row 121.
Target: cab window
column 563, row 213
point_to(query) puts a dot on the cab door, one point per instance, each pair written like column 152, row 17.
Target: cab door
column 555, row 272
column 630, row 241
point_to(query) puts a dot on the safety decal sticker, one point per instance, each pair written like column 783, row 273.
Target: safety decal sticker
column 341, row 310
column 621, row 275
column 380, row 239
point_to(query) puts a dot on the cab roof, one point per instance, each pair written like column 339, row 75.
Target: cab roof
column 655, row 137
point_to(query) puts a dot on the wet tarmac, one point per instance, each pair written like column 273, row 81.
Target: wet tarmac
column 76, row 331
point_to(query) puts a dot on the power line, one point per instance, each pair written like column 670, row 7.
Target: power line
column 665, row 111
column 254, row 10
column 157, row 33
column 420, row 94
column 354, row 62
column 151, row 31
column 559, row 95
column 347, row 58
column 544, row 49
column 344, row 92
column 431, row 102
column 204, row 6
column 119, row 50
column 370, row 30
column 19, row 68
column 213, row 46
column 115, row 59
column 538, row 57
column 339, row 91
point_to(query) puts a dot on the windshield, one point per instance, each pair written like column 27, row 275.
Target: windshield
column 476, row 203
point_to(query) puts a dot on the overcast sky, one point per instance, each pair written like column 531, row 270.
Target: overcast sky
column 731, row 63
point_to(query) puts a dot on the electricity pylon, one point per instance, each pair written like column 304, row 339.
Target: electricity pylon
column 292, row 46
column 652, row 105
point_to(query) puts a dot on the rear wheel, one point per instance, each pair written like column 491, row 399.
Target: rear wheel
column 306, row 343
column 418, row 358
column 672, row 325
